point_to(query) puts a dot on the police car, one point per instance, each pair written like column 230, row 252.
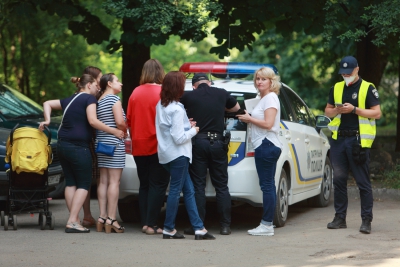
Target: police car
column 303, row 171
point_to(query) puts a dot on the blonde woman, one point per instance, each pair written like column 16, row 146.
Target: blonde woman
column 265, row 119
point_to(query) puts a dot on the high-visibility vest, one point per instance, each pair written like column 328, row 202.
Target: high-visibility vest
column 367, row 126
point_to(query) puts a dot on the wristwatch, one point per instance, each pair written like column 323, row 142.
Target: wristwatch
column 354, row 110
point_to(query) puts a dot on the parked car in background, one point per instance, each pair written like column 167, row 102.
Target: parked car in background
column 303, row 171
column 55, row 174
column 16, row 108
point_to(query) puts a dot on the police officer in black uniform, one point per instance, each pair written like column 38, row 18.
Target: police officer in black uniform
column 354, row 104
column 206, row 105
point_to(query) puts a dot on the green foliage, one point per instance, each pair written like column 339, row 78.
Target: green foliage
column 391, row 178
column 40, row 55
column 176, row 52
column 383, row 18
column 154, row 21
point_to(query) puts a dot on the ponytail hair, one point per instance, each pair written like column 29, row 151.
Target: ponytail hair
column 81, row 82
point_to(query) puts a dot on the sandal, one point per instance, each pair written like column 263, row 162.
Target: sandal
column 110, row 227
column 151, row 230
column 144, row 228
column 75, row 228
column 88, row 222
column 100, row 225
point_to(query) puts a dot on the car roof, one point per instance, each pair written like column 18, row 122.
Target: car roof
column 231, row 85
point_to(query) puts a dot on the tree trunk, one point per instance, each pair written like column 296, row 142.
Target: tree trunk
column 371, row 61
column 397, row 149
column 133, row 58
column 4, row 53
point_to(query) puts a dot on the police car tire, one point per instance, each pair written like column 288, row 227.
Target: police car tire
column 322, row 199
column 282, row 201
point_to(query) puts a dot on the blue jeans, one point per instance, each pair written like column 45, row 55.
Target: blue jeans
column 266, row 156
column 76, row 162
column 181, row 182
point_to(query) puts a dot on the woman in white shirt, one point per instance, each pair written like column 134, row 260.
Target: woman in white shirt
column 174, row 134
column 265, row 120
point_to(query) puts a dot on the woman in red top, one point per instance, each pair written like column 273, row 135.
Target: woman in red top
column 141, row 113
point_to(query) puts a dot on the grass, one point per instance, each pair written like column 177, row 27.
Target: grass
column 389, row 130
column 391, row 179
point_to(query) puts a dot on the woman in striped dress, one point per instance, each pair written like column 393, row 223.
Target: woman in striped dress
column 110, row 112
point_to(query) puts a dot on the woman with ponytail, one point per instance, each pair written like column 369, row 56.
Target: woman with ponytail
column 74, row 137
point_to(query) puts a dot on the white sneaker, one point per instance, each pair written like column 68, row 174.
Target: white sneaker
column 262, row 230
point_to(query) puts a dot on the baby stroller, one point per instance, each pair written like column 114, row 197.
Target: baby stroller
column 28, row 155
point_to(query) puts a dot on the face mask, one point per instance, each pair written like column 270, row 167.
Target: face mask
column 349, row 80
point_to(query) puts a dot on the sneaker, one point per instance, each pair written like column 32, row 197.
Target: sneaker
column 262, row 230
column 337, row 223
column 365, row 226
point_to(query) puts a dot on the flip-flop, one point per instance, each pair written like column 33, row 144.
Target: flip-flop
column 153, row 230
column 74, row 228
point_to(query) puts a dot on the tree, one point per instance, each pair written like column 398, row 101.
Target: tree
column 152, row 22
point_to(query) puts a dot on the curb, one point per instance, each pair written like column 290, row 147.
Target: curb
column 378, row 193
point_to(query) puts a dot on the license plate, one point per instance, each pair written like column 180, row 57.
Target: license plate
column 54, row 179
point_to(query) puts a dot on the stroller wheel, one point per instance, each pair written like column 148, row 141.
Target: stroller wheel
column 42, row 221
column 5, row 223
column 52, row 222
column 2, row 218
column 40, row 218
column 15, row 222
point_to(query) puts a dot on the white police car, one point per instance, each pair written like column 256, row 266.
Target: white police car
column 303, row 170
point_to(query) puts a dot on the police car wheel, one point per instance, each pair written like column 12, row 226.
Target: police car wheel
column 323, row 198
column 282, row 204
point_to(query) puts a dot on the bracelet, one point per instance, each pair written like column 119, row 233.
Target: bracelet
column 354, row 110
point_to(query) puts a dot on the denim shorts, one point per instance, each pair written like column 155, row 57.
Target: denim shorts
column 76, row 162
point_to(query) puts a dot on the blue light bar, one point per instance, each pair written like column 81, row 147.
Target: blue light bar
column 247, row 68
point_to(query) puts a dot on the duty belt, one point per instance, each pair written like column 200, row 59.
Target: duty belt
column 348, row 132
column 210, row 136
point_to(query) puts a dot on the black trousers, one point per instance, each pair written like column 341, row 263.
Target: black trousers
column 154, row 180
column 211, row 156
column 343, row 163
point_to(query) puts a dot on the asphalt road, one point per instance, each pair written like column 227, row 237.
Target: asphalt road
column 304, row 241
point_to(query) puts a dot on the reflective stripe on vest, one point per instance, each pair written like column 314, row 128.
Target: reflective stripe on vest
column 367, row 126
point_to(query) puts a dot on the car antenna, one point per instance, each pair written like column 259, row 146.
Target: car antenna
column 229, row 51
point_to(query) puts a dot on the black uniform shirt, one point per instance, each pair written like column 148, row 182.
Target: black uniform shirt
column 350, row 95
column 206, row 105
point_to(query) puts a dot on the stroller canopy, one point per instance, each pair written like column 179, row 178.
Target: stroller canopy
column 28, row 150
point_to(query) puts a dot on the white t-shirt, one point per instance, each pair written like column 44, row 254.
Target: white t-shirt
column 258, row 134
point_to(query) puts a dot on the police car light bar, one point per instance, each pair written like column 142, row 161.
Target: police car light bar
column 224, row 67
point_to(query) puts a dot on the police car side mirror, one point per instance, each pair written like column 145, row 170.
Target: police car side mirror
column 322, row 122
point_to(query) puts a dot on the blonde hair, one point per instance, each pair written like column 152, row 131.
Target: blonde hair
column 268, row 73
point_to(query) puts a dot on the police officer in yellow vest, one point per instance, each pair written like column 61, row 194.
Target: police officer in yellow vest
column 354, row 105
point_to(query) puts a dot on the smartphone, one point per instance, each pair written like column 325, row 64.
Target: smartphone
column 240, row 112
column 338, row 105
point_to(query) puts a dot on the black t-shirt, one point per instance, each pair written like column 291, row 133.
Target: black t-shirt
column 350, row 95
column 75, row 125
column 206, row 105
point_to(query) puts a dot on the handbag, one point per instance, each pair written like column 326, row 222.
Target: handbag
column 105, row 149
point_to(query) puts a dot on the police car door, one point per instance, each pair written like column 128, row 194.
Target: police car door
column 305, row 144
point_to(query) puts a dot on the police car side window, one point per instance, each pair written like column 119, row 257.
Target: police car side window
column 285, row 115
column 300, row 110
